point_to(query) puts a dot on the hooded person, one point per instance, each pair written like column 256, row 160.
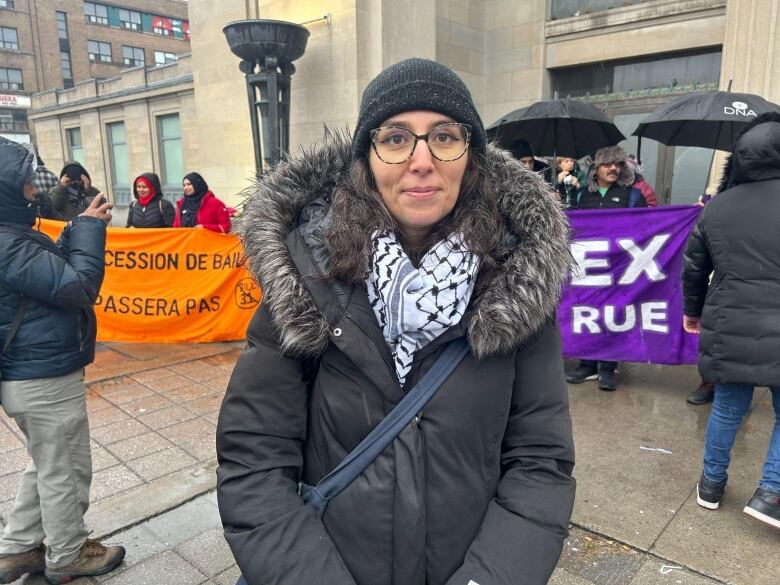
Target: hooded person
column 200, row 208
column 149, row 209
column 74, row 192
column 610, row 182
column 47, row 323
column 375, row 256
column 731, row 292
column 522, row 151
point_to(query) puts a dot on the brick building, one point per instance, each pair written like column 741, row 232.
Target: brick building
column 54, row 44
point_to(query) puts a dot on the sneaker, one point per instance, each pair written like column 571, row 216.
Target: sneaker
column 93, row 559
column 765, row 506
column 709, row 493
column 582, row 374
column 703, row 394
column 14, row 566
column 607, row 380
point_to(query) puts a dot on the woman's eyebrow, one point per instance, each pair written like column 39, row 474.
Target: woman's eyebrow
column 408, row 126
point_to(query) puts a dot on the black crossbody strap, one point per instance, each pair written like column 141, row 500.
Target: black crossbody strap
column 15, row 324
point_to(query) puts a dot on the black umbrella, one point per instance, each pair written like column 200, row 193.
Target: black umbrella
column 711, row 119
column 566, row 127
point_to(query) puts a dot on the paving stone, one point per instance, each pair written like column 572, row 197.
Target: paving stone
column 118, row 431
column 166, row 417
column 198, row 370
column 184, row 522
column 106, row 416
column 188, row 431
column 138, row 446
column 155, row 374
column 9, row 441
column 163, row 385
column 559, row 577
column 202, row 448
column 656, row 572
column 112, row 481
column 96, row 402
column 206, row 404
column 161, row 463
column 101, row 459
column 9, row 485
column 165, row 567
column 189, row 392
column 146, row 404
column 228, row 577
column 598, row 560
column 219, row 383
column 209, row 552
column 13, row 461
column 140, row 545
column 126, row 393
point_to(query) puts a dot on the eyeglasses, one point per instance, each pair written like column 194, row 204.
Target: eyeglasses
column 446, row 142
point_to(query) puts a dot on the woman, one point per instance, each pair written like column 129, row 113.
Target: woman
column 569, row 180
column 478, row 488
column 200, row 208
column 149, row 209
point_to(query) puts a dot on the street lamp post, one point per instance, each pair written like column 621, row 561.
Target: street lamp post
column 267, row 49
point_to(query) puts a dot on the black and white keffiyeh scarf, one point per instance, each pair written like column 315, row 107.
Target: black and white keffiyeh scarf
column 416, row 305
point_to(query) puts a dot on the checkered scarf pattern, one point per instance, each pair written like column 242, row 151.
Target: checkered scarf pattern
column 416, row 305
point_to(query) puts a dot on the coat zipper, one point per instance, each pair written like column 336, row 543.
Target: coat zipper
column 371, row 337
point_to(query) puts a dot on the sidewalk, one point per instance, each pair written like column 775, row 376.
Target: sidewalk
column 153, row 410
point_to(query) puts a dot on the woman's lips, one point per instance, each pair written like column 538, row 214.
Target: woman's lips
column 421, row 192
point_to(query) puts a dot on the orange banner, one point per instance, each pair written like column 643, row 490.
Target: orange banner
column 172, row 285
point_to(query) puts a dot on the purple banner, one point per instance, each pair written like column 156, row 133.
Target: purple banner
column 623, row 301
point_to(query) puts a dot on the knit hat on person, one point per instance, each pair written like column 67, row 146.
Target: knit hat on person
column 415, row 84
column 609, row 154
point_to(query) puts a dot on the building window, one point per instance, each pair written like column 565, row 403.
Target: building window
column 117, row 138
column 11, row 79
column 130, row 19
column 96, row 13
column 75, row 148
column 62, row 25
column 9, row 40
column 132, row 56
column 9, row 4
column 163, row 58
column 99, row 51
column 67, row 71
column 170, row 149
column 13, row 120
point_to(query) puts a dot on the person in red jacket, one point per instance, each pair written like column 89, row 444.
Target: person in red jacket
column 200, row 208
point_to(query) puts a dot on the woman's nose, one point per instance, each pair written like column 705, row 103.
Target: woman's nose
column 421, row 159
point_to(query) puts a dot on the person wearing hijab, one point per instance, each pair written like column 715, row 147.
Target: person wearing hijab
column 200, row 208
column 149, row 209
column 73, row 194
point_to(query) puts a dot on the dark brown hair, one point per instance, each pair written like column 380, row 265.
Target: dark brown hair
column 358, row 211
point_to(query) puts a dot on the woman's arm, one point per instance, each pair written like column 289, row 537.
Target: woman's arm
column 275, row 538
column 168, row 213
column 697, row 267
column 523, row 530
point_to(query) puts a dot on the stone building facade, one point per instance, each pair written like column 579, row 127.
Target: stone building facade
column 626, row 56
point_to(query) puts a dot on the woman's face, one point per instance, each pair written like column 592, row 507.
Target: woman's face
column 188, row 188
column 420, row 192
column 142, row 189
column 566, row 164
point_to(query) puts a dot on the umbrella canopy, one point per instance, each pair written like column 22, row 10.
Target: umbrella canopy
column 711, row 119
column 557, row 127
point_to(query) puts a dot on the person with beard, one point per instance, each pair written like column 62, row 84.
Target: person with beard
column 149, row 209
column 73, row 194
column 610, row 186
column 48, row 326
column 200, row 208
column 378, row 256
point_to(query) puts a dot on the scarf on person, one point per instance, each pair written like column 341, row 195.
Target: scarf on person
column 191, row 204
column 416, row 305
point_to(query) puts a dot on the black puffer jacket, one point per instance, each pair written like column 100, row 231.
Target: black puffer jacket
column 57, row 335
column 479, row 489
column 737, row 237
column 159, row 212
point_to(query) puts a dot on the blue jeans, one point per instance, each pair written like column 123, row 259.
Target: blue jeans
column 732, row 401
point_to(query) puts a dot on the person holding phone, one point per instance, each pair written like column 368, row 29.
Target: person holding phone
column 73, row 194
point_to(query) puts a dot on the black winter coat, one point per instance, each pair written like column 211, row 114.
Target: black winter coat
column 737, row 236
column 57, row 335
column 479, row 488
column 159, row 213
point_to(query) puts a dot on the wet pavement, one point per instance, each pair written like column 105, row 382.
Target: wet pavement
column 153, row 412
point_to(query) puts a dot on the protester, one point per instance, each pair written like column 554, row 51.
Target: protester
column 737, row 238
column 149, row 209
column 609, row 186
column 569, row 179
column 641, row 183
column 74, row 193
column 47, row 322
column 200, row 208
column 523, row 152
column 416, row 212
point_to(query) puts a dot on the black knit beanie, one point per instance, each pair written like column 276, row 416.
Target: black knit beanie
column 415, row 84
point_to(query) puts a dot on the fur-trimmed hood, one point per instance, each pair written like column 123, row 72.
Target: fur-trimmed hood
column 522, row 294
column 756, row 153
